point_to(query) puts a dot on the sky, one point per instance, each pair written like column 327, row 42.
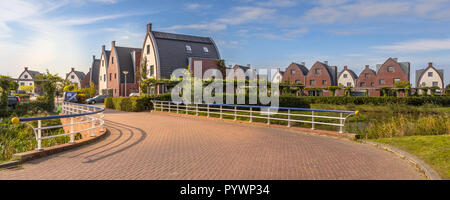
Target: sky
column 60, row 34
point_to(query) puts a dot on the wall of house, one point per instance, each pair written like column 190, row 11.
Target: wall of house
column 72, row 77
column 103, row 78
column 296, row 77
column 206, row 64
column 113, row 72
column 388, row 77
column 367, row 80
column 323, row 75
column 151, row 57
column 277, row 78
column 26, row 75
column 343, row 81
column 429, row 80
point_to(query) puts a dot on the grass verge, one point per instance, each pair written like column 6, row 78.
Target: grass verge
column 434, row 150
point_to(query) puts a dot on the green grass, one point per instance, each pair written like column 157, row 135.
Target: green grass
column 434, row 150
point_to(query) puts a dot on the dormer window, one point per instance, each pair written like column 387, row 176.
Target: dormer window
column 205, row 50
column 188, row 48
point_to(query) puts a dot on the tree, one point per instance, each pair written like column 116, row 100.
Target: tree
column 6, row 85
column 403, row 86
column 143, row 75
column 333, row 89
column 348, row 91
column 48, row 82
column 92, row 90
column 27, row 88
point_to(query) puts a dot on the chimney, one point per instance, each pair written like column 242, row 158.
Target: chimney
column 93, row 57
column 248, row 65
column 26, row 68
column 303, row 63
column 430, row 64
column 149, row 27
column 396, row 59
column 103, row 47
column 73, row 69
column 326, row 62
column 345, row 68
column 367, row 66
column 113, row 44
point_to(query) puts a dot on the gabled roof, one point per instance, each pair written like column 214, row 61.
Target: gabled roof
column 125, row 62
column 352, row 73
column 243, row 68
column 34, row 73
column 405, row 66
column 302, row 68
column 81, row 75
column 420, row 73
column 332, row 71
column 95, row 68
column 172, row 52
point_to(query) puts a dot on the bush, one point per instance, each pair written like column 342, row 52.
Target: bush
column 31, row 107
column 81, row 98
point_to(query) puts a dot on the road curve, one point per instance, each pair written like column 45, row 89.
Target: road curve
column 161, row 146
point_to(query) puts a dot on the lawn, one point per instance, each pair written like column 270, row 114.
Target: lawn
column 434, row 150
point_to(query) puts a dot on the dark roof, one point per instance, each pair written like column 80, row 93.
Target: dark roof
column 243, row 68
column 80, row 75
column 95, row 68
column 332, row 70
column 125, row 62
column 172, row 51
column 405, row 66
column 352, row 73
column 302, row 68
column 34, row 73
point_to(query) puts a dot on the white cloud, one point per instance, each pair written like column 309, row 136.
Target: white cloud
column 416, row 46
column 206, row 27
column 243, row 15
column 197, row 6
column 278, row 3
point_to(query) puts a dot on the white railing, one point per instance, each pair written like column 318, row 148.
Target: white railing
column 83, row 113
column 255, row 112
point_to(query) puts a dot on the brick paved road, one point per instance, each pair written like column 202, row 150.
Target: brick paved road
column 161, row 146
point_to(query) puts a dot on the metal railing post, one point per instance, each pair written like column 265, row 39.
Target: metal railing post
column 72, row 136
column 268, row 116
column 235, row 113
column 162, row 107
column 221, row 112
column 342, row 125
column 39, row 140
column 196, row 109
column 313, row 127
column 178, row 105
column 289, row 118
column 170, row 105
column 93, row 127
column 251, row 114
column 207, row 109
column 187, row 109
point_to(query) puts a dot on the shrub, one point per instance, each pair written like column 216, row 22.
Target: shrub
column 81, row 98
column 31, row 107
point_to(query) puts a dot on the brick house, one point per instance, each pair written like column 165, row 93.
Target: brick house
column 206, row 64
column 92, row 75
column 430, row 77
column 391, row 72
column 27, row 77
column 122, row 59
column 367, row 81
column 321, row 75
column 295, row 73
column 102, row 75
column 233, row 74
column 76, row 77
column 163, row 53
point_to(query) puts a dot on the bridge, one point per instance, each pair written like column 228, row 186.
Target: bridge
column 165, row 146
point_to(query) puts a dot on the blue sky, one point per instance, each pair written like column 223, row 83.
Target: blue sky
column 60, row 34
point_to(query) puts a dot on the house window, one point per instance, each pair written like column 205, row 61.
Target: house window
column 104, row 77
column 423, row 83
column 381, row 81
column 349, row 84
column 205, row 50
column 372, row 84
column 324, row 82
column 345, row 75
column 148, row 49
column 317, row 71
column 72, row 77
column 292, row 71
column 296, row 81
column 100, row 78
column 367, row 75
column 115, row 76
column 152, row 70
column 26, row 76
column 31, row 83
column 312, row 82
column 390, row 69
column 435, row 84
column 363, row 84
column 188, row 49
column 112, row 60
column 396, row 80
column 103, row 63
column 22, row 83
column 110, row 76
column 430, row 74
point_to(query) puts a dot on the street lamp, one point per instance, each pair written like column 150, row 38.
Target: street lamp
column 125, row 72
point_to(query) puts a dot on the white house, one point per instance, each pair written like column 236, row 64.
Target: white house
column 278, row 76
column 430, row 77
column 102, row 75
column 27, row 78
column 75, row 77
column 347, row 78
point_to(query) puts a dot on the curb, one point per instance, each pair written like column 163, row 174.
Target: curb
column 34, row 154
column 429, row 172
column 349, row 136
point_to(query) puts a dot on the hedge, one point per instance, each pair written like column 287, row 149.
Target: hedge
column 31, row 107
column 134, row 104
column 414, row 101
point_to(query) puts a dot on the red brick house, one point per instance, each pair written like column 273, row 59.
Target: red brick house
column 391, row 72
column 206, row 64
column 367, row 81
column 123, row 59
column 321, row 75
column 295, row 73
